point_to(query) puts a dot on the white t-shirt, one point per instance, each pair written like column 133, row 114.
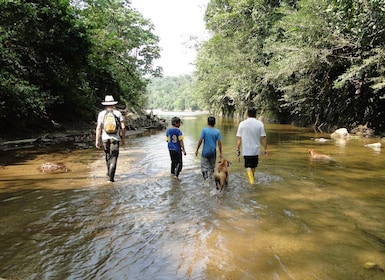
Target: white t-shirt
column 251, row 130
column 106, row 136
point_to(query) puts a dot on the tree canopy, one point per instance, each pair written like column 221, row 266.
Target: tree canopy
column 311, row 62
column 58, row 59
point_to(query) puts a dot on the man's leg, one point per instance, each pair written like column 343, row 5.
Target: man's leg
column 212, row 162
column 251, row 162
column 113, row 159
column 107, row 151
column 205, row 167
column 250, row 175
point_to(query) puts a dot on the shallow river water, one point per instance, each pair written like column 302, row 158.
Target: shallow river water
column 301, row 220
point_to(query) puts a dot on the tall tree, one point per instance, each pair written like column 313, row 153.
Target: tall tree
column 124, row 49
column 58, row 60
column 324, row 65
column 234, row 57
column 44, row 48
column 307, row 61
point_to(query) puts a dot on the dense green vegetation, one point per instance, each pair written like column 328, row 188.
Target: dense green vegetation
column 311, row 62
column 59, row 59
column 174, row 94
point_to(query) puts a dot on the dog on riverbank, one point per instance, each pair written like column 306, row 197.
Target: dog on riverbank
column 316, row 156
column 221, row 174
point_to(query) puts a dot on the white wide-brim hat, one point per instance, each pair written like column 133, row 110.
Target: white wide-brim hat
column 109, row 100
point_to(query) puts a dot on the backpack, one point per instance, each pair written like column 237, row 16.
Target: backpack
column 111, row 122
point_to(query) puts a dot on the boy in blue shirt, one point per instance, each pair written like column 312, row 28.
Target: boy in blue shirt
column 210, row 136
column 174, row 138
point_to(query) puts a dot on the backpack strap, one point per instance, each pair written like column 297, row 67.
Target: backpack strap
column 118, row 125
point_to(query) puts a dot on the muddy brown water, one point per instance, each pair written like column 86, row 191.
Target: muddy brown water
column 302, row 220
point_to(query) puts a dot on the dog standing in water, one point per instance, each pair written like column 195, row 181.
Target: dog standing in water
column 221, row 174
column 316, row 156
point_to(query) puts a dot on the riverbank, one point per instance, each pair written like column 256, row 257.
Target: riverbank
column 79, row 138
column 79, row 135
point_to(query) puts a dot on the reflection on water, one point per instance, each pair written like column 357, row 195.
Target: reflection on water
column 302, row 220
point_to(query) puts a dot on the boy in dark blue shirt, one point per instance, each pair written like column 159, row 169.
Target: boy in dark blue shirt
column 175, row 145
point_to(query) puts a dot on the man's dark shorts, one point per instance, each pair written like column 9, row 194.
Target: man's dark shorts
column 251, row 161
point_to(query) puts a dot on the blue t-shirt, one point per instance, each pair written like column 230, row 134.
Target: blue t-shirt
column 210, row 137
column 173, row 136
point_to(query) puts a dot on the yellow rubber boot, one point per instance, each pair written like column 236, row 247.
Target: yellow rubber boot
column 250, row 175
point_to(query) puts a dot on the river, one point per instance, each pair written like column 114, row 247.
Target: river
column 301, row 220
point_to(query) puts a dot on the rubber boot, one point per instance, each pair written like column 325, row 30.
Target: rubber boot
column 250, row 175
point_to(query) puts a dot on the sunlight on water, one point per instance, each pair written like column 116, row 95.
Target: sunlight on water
column 302, row 220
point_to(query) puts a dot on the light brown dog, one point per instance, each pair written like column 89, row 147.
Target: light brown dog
column 221, row 174
column 316, row 156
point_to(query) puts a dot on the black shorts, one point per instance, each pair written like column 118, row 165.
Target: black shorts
column 251, row 161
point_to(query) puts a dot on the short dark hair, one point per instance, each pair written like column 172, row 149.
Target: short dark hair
column 175, row 120
column 211, row 121
column 252, row 113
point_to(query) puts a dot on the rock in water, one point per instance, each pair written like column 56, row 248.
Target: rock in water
column 340, row 133
column 374, row 145
column 52, row 167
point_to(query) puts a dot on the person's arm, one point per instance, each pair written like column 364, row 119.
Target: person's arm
column 264, row 143
column 182, row 146
column 123, row 136
column 199, row 145
column 239, row 145
column 220, row 149
column 98, row 133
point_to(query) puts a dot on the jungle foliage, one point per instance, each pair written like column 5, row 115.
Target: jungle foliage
column 58, row 59
column 308, row 62
column 173, row 94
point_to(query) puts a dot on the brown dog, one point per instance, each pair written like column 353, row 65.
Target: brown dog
column 221, row 174
column 316, row 156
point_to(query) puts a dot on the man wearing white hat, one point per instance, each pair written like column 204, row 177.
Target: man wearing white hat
column 112, row 130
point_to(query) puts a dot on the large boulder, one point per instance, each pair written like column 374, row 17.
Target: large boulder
column 340, row 133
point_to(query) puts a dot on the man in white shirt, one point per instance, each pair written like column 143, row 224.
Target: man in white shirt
column 250, row 134
column 110, row 140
